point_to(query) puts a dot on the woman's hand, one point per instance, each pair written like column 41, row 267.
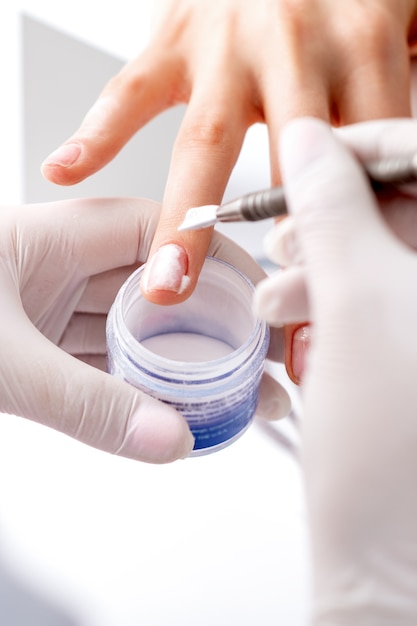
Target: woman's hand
column 237, row 62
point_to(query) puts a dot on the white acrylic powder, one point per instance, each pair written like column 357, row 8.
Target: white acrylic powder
column 188, row 347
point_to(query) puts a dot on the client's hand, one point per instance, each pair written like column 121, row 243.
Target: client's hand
column 234, row 63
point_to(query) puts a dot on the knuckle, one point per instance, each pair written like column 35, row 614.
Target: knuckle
column 295, row 9
column 127, row 82
column 375, row 35
column 385, row 37
column 212, row 133
column 296, row 15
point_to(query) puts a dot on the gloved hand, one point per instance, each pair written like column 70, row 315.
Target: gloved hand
column 61, row 265
column 288, row 303
column 359, row 392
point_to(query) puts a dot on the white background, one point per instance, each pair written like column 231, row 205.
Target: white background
column 213, row 540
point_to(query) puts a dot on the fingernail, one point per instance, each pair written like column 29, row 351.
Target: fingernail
column 65, row 156
column 167, row 270
column 274, row 402
column 300, row 345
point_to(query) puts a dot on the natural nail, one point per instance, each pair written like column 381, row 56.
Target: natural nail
column 167, row 270
column 65, row 156
column 300, row 346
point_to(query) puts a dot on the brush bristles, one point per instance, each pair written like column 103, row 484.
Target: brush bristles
column 199, row 217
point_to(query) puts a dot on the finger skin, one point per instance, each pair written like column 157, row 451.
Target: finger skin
column 143, row 88
column 102, row 288
column 205, row 152
column 340, row 62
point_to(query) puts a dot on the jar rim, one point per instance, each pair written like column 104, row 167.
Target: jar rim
column 209, row 369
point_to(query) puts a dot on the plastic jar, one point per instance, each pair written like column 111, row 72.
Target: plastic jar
column 204, row 356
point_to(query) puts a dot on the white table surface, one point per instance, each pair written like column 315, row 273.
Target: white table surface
column 219, row 539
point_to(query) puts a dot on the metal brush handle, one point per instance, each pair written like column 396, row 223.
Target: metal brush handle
column 393, row 171
column 264, row 204
column 271, row 202
column 254, row 206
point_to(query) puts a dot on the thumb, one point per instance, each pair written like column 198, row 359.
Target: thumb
column 59, row 391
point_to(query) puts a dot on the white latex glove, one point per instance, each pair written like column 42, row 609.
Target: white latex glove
column 61, row 265
column 359, row 392
column 289, row 302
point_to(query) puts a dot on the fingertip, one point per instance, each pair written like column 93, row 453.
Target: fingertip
column 281, row 245
column 156, row 433
column 266, row 302
column 274, row 401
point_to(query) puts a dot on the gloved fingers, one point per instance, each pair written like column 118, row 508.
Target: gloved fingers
column 282, row 298
column 85, row 334
column 93, row 407
column 380, row 139
column 274, row 401
column 145, row 87
column 85, row 236
column 116, row 232
column 101, row 290
column 335, row 210
column 69, row 242
column 397, row 208
column 281, row 245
